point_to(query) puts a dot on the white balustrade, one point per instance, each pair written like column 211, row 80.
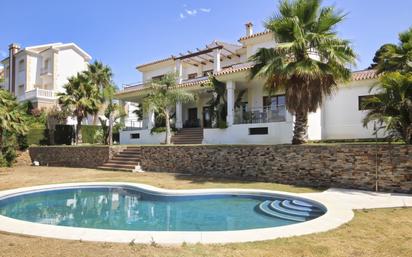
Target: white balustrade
column 38, row 93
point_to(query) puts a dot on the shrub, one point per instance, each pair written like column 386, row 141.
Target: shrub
column 8, row 151
column 221, row 124
column 92, row 134
column 157, row 130
column 22, row 142
column 37, row 136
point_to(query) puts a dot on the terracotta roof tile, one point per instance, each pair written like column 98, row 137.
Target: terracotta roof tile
column 364, row 74
column 154, row 62
column 356, row 76
column 235, row 68
column 254, row 35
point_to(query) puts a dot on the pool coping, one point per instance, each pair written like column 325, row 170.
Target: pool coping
column 335, row 216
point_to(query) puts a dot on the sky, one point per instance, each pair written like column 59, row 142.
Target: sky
column 126, row 33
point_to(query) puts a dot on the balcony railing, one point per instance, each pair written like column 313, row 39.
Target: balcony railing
column 38, row 93
column 131, row 125
column 45, row 71
column 260, row 115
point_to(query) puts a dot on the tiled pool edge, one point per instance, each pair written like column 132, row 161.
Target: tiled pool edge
column 334, row 217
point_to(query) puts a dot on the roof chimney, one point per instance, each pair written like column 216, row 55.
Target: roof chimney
column 249, row 29
column 14, row 48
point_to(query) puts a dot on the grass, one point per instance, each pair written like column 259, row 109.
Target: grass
column 382, row 232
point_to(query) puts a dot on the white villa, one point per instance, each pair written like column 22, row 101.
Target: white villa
column 261, row 119
column 37, row 73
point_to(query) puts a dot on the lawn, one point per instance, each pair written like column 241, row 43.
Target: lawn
column 383, row 232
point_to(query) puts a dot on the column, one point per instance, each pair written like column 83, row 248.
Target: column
column 179, row 71
column 150, row 119
column 216, row 61
column 230, row 89
column 179, row 115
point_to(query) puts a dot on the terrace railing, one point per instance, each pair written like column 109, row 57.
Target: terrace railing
column 260, row 115
column 131, row 125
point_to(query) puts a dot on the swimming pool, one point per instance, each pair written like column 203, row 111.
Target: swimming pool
column 129, row 208
column 130, row 212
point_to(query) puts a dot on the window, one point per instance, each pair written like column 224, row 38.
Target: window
column 192, row 76
column 21, row 66
column 160, row 77
column 207, row 72
column 274, row 102
column 259, row 131
column 363, row 103
column 135, row 136
column 46, row 64
column 244, row 106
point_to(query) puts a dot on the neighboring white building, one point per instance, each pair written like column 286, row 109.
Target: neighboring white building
column 261, row 119
column 37, row 73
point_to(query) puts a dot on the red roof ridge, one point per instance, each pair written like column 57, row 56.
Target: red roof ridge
column 255, row 35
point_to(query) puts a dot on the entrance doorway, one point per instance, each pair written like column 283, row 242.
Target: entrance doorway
column 192, row 121
column 207, row 117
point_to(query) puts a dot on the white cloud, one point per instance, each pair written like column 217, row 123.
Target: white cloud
column 206, row 10
column 191, row 12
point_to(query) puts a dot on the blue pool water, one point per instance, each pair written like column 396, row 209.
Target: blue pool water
column 123, row 208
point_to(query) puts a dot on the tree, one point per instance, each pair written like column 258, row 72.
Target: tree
column 391, row 107
column 163, row 98
column 308, row 59
column 82, row 98
column 101, row 76
column 113, row 112
column 13, row 119
column 54, row 116
column 218, row 102
column 392, row 57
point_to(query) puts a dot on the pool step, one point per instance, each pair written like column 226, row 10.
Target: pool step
column 291, row 205
column 264, row 207
column 277, row 206
column 294, row 210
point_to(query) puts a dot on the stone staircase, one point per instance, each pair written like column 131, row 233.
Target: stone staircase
column 125, row 160
column 188, row 136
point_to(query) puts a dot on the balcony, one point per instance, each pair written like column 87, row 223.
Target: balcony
column 45, row 72
column 38, row 93
column 260, row 115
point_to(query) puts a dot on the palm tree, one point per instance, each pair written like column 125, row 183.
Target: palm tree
column 391, row 57
column 218, row 102
column 13, row 121
column 101, row 76
column 163, row 98
column 81, row 98
column 113, row 112
column 308, row 60
column 391, row 107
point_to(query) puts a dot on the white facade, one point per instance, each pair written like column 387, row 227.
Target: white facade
column 259, row 119
column 37, row 73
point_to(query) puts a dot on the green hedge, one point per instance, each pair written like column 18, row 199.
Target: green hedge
column 37, row 136
column 91, row 134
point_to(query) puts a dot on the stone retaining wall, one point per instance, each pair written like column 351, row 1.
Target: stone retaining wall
column 344, row 165
column 71, row 156
column 347, row 166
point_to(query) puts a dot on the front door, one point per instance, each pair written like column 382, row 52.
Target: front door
column 192, row 121
column 207, row 117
